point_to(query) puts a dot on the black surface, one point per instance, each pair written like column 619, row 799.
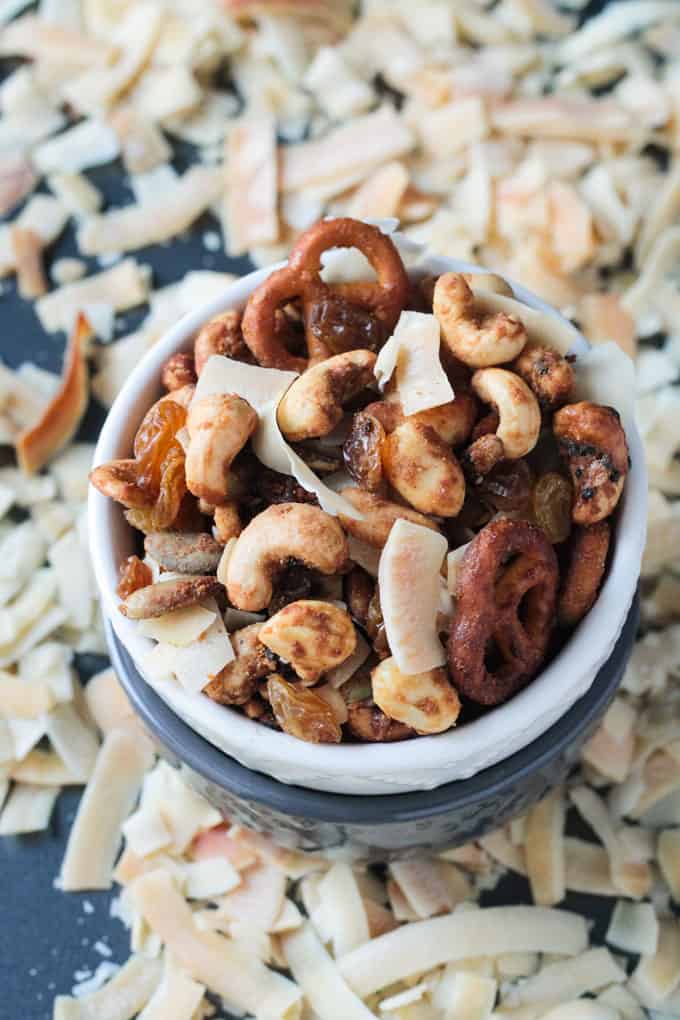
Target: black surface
column 45, row 935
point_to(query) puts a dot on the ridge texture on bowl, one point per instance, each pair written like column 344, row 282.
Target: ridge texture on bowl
column 370, row 769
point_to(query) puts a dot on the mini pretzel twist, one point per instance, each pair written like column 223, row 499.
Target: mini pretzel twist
column 489, row 595
column 301, row 280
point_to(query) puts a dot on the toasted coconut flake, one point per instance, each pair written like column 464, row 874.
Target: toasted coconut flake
column 28, row 809
column 466, row 994
column 544, row 849
column 17, row 180
column 603, row 318
column 661, row 215
column 76, row 192
column 430, row 887
column 142, row 144
column 90, row 143
column 319, row 978
column 251, row 184
column 73, row 740
column 488, row 931
column 361, row 145
column 668, row 855
column 380, row 195
column 594, row 120
column 146, row 832
column 123, row 286
column 209, row 878
column 37, row 40
column 44, row 768
column 180, row 627
column 68, row 556
column 67, row 270
column 166, row 92
column 501, row 849
column 197, row 662
column 151, row 222
column 42, row 215
column 110, row 793
column 344, row 909
column 657, row 976
column 448, row 129
column 60, row 419
column 177, row 997
column 116, row 361
column 633, row 927
column 185, row 812
column 610, row 757
column 21, row 700
column 128, row 991
column 618, row 21
column 569, row 979
column 412, row 355
column 208, row 958
column 632, row 877
column 259, row 898
column 22, row 615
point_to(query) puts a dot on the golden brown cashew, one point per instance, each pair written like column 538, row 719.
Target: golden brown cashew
column 227, row 522
column 547, row 373
column 378, row 517
column 518, row 411
column 186, row 552
column 119, row 480
column 281, row 533
column 178, row 371
column 237, row 683
column 476, row 339
column 423, row 470
column 221, row 335
column 425, row 701
column 365, row 721
column 219, row 426
column 312, row 636
column 592, row 442
column 312, row 407
column 452, row 421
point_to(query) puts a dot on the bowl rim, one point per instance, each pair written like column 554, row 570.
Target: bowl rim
column 356, row 809
column 377, row 768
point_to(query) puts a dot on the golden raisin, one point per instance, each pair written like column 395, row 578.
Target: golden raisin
column 134, row 574
column 302, row 713
column 154, row 438
column 551, row 504
column 363, row 451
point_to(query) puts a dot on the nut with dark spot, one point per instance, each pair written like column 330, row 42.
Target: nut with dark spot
column 237, row 683
column 366, row 722
column 178, row 371
column 184, row 552
column 359, row 590
column 164, row 596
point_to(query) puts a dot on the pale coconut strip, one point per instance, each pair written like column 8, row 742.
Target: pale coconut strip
column 107, row 801
column 121, row 998
column 587, row 868
column 258, row 899
column 208, row 958
column 209, row 878
column 361, row 144
column 250, row 202
column 107, row 702
column 137, row 226
column 614, row 23
column 668, row 857
column 412, row 354
column 381, row 193
column 176, row 998
column 344, row 908
column 28, row 249
column 44, row 768
column 90, row 143
column 633, row 927
column 661, row 258
column 501, row 849
column 123, row 286
column 656, row 977
column 28, row 809
column 583, row 1009
column 44, row 216
column 544, row 849
column 73, row 739
column 337, row 676
column 569, row 979
column 27, row 609
column 320, row 979
column 485, row 932
column 22, row 700
column 661, row 215
column 632, row 877
column 564, row 117
column 30, row 37
column 69, row 559
column 427, row 885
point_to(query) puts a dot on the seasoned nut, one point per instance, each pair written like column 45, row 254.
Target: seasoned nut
column 236, row 684
column 119, row 480
column 358, row 589
column 452, row 421
column 547, row 373
column 219, row 427
column 227, row 522
column 517, row 407
column 365, row 721
column 222, row 335
column 178, row 371
column 134, row 574
column 313, row 405
column 312, row 636
column 164, row 596
column 424, row 470
column 378, row 517
column 425, row 701
column 302, row 713
column 184, row 552
column 476, row 339
column 482, row 456
column 486, row 426
column 277, row 536
column 593, row 444
column 362, row 451
column 581, row 584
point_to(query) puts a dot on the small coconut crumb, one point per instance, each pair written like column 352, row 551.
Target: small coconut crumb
column 67, row 270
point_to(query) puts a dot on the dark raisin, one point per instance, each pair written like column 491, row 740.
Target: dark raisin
column 343, row 326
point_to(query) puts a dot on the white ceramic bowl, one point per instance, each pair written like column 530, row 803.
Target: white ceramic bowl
column 420, row 764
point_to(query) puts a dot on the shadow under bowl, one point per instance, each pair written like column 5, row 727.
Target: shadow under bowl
column 380, row 827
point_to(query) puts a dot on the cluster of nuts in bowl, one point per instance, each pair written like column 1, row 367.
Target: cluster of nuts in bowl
column 446, row 526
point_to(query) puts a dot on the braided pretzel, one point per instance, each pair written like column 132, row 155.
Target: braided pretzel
column 490, row 597
column 301, row 280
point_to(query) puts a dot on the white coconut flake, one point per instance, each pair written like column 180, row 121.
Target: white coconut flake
column 412, row 354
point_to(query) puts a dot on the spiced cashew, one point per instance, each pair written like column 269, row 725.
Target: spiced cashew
column 367, row 722
column 227, row 522
column 591, row 440
column 423, row 470
column 280, row 534
column 185, row 552
column 426, row 701
column 378, row 517
column 219, row 426
column 476, row 339
column 311, row 635
column 178, row 371
column 118, row 479
column 313, row 405
column 452, row 421
column 547, row 373
column 221, row 335
column 518, row 411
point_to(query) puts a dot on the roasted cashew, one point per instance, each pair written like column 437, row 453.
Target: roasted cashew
column 237, row 683
column 452, row 421
column 219, row 427
column 547, row 373
column 367, row 722
column 221, row 335
column 178, row 371
column 517, row 407
column 378, row 517
column 476, row 339
column 184, row 552
column 312, row 407
column 425, row 701
column 482, row 456
column 423, row 470
column 119, row 480
column 592, row 442
column 312, row 636
column 227, row 522
column 280, row 534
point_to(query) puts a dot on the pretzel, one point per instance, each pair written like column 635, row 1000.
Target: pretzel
column 584, row 574
column 489, row 595
column 301, row 280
